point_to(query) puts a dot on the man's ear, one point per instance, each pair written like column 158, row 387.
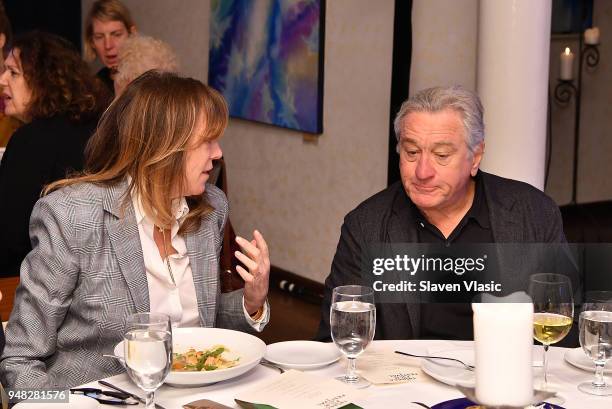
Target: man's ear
column 2, row 40
column 477, row 157
column 132, row 30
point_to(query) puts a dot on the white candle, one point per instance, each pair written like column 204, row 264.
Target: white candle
column 566, row 71
column 591, row 36
column 503, row 335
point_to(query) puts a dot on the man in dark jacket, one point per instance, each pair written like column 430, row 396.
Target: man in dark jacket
column 443, row 199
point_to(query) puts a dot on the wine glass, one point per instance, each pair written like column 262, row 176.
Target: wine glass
column 596, row 338
column 553, row 307
column 148, row 351
column 352, row 322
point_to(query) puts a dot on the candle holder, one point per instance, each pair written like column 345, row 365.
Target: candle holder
column 591, row 55
column 566, row 89
column 470, row 393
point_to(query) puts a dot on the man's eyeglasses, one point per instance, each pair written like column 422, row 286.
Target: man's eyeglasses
column 106, row 397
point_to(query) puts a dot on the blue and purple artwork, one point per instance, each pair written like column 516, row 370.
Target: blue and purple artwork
column 266, row 58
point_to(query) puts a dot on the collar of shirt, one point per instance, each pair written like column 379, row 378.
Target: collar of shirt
column 479, row 210
column 179, row 209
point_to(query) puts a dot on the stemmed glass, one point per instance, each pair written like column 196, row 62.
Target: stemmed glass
column 596, row 338
column 353, row 322
column 148, row 351
column 553, row 307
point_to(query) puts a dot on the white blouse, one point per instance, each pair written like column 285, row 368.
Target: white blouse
column 178, row 300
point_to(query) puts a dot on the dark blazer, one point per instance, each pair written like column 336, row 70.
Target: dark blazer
column 39, row 152
column 519, row 213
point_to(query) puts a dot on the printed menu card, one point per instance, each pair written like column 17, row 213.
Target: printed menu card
column 384, row 366
column 301, row 390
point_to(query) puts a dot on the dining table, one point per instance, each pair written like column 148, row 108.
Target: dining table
column 427, row 391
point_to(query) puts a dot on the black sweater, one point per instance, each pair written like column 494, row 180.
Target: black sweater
column 39, row 152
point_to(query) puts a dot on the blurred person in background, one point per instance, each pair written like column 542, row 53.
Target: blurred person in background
column 47, row 86
column 107, row 25
column 139, row 54
column 8, row 125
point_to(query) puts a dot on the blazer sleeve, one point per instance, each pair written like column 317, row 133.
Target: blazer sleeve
column 48, row 277
column 345, row 269
column 566, row 260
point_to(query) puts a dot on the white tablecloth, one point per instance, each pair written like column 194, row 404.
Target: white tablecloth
column 562, row 374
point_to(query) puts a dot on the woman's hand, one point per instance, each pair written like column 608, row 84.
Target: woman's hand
column 256, row 258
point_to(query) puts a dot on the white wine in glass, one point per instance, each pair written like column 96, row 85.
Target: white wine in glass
column 553, row 306
column 148, row 351
column 596, row 338
column 353, row 323
column 549, row 328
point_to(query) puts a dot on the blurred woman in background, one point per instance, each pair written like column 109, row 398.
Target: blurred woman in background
column 107, row 25
column 47, row 86
column 8, row 125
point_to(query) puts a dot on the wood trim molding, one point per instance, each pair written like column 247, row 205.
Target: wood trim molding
column 297, row 286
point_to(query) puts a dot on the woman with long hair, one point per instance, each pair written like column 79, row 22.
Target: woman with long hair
column 139, row 230
column 47, row 86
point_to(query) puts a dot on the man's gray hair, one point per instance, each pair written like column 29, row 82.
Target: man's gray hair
column 437, row 99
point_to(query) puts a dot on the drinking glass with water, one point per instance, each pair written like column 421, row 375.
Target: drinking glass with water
column 352, row 322
column 148, row 351
column 596, row 338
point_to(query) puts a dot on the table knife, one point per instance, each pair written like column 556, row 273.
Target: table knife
column 132, row 395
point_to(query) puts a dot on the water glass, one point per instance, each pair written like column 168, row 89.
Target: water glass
column 596, row 338
column 148, row 351
column 352, row 322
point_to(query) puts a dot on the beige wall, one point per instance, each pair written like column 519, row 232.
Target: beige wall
column 444, row 43
column 595, row 168
column 297, row 192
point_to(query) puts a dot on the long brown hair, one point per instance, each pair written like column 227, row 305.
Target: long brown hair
column 145, row 134
column 60, row 81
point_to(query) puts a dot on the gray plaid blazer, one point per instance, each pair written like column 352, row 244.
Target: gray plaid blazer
column 85, row 275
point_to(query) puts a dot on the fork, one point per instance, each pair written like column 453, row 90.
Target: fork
column 468, row 367
column 269, row 364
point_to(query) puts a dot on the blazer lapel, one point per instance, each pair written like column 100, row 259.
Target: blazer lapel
column 204, row 269
column 125, row 241
column 400, row 228
column 400, row 225
column 507, row 231
column 505, row 224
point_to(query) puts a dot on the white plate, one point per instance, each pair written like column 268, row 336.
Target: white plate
column 75, row 402
column 302, row 354
column 578, row 358
column 250, row 349
column 450, row 372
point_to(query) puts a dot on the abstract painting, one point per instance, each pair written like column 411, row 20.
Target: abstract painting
column 266, row 58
